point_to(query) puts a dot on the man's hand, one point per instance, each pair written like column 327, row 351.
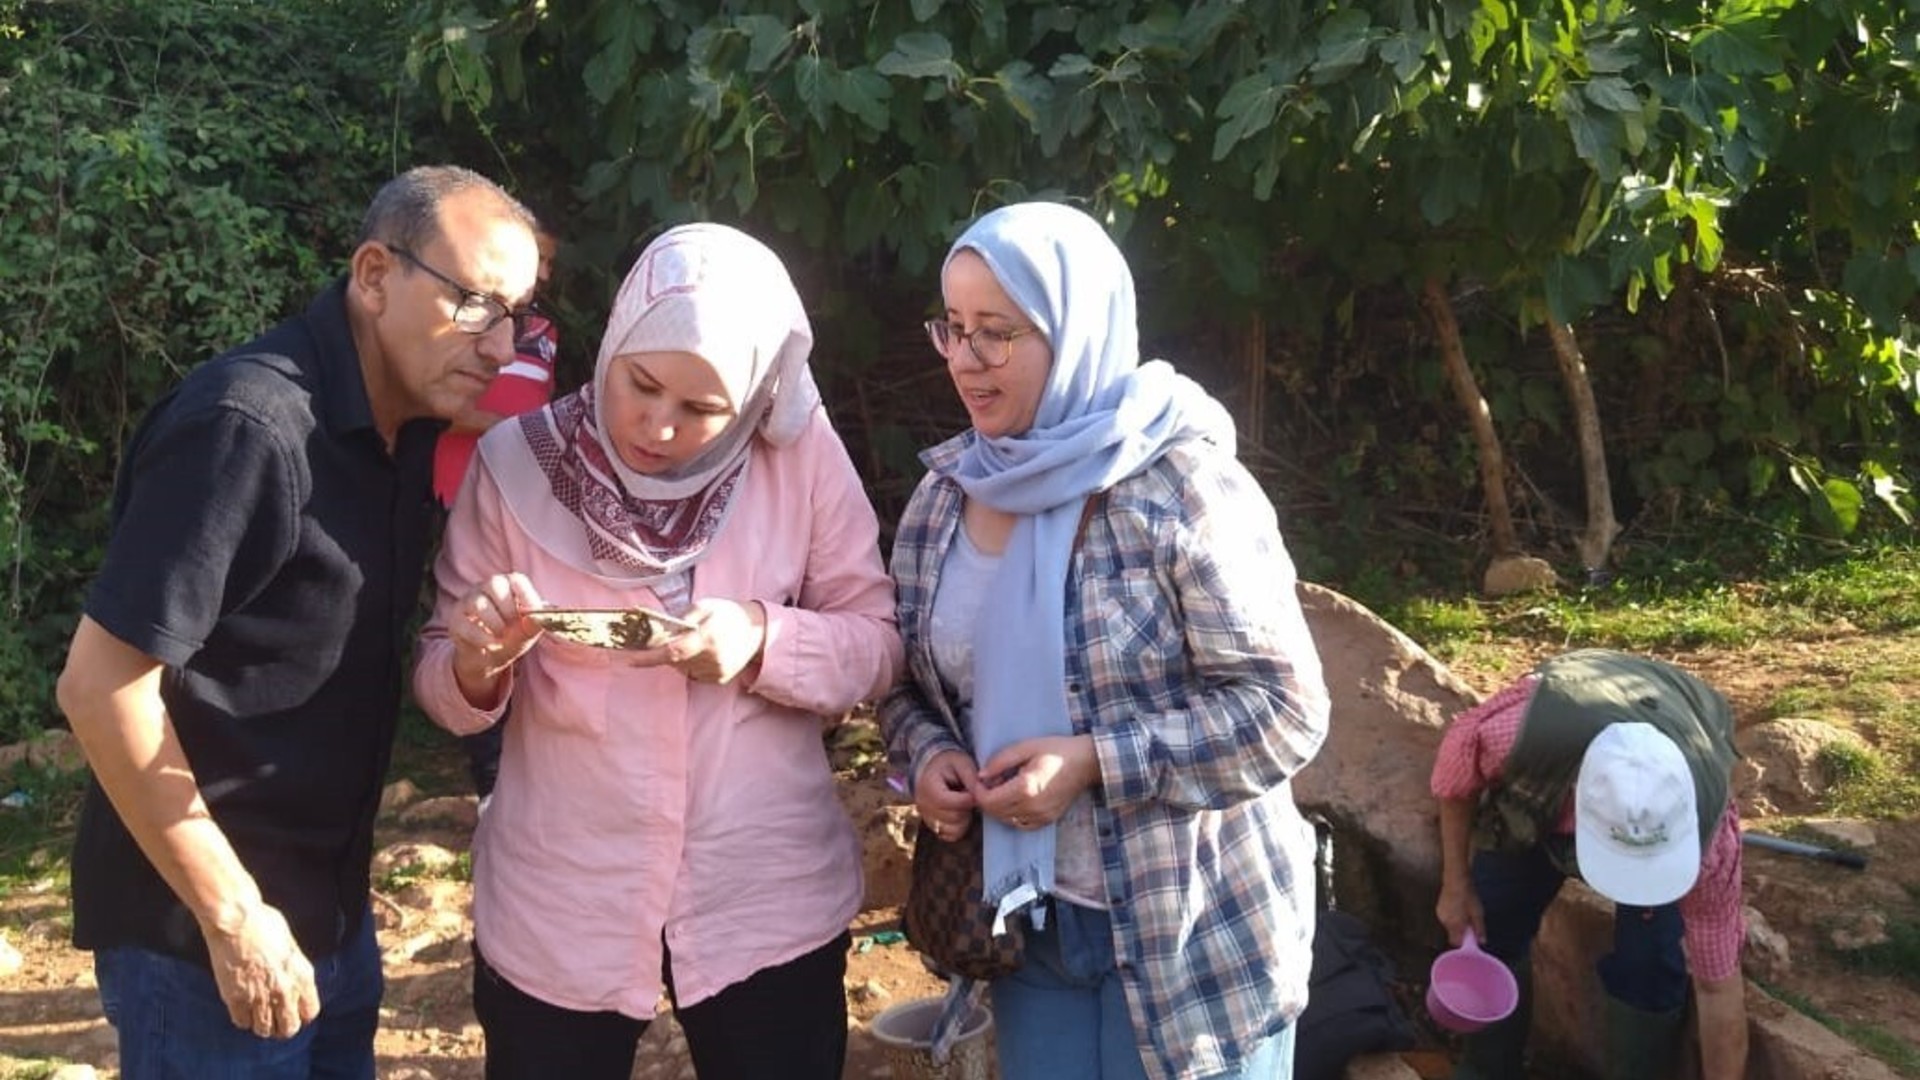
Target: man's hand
column 1459, row 906
column 264, row 978
column 1458, row 909
column 110, row 693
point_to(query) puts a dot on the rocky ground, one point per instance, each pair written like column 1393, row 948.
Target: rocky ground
column 1814, row 931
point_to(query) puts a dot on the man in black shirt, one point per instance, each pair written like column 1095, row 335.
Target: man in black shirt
column 235, row 678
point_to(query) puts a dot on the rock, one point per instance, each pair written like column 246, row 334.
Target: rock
column 56, row 749
column 412, row 857
column 1859, row 930
column 56, row 929
column 458, row 811
column 429, row 989
column 1391, row 700
column 1855, row 834
column 1787, row 1044
column 1765, row 955
column 73, row 1072
column 10, row 959
column 868, row 991
column 1780, row 770
column 403, row 950
column 1517, row 574
column 397, row 796
column 1380, row 1067
column 435, row 895
column 408, row 1072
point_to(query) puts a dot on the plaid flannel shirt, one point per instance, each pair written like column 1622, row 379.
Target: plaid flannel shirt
column 1190, row 664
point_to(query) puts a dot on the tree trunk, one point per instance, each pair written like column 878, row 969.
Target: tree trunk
column 1466, row 389
column 1597, row 540
column 1253, row 355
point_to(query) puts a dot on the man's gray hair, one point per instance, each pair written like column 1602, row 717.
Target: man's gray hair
column 405, row 211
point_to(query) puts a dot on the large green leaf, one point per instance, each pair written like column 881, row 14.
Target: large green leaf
column 1246, row 110
column 920, row 55
column 1738, row 46
column 767, row 38
column 864, row 93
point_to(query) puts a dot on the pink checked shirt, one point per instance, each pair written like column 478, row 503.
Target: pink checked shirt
column 1472, row 754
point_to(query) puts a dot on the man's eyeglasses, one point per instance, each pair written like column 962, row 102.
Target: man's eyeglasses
column 990, row 346
column 478, row 312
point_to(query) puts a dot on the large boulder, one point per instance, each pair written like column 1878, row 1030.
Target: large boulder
column 1783, row 764
column 1391, row 700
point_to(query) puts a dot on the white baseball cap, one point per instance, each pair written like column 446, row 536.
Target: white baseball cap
column 1635, row 827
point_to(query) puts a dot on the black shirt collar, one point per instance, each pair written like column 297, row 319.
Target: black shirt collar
column 343, row 401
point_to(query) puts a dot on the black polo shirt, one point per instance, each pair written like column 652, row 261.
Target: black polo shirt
column 268, row 550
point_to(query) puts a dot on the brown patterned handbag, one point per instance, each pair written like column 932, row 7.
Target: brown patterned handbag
column 945, row 917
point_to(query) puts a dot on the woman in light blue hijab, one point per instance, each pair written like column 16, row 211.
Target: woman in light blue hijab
column 1111, row 675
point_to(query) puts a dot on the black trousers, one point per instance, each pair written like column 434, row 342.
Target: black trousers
column 781, row 1023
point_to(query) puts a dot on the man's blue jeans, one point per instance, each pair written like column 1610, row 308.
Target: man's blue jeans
column 1063, row 1015
column 1647, row 967
column 173, row 1025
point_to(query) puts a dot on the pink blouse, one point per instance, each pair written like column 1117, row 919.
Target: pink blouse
column 632, row 802
column 1473, row 753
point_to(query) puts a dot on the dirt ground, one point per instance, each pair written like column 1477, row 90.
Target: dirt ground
column 49, row 1011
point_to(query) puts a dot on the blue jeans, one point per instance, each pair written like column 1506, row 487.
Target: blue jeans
column 1647, row 968
column 1063, row 1015
column 173, row 1025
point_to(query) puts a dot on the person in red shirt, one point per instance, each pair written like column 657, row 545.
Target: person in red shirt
column 1613, row 768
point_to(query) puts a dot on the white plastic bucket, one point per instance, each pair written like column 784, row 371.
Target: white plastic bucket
column 905, row 1032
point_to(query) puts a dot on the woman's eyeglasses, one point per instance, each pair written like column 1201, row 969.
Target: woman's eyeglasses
column 478, row 312
column 990, row 346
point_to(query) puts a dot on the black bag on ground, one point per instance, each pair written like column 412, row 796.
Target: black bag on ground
column 1350, row 1010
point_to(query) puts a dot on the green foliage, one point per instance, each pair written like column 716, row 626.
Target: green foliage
column 180, row 177
column 36, row 828
column 1307, row 162
column 1897, row 957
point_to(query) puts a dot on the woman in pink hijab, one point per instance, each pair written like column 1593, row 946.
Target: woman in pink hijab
column 667, row 813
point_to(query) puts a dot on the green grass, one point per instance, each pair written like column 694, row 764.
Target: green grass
column 1871, row 693
column 34, row 837
column 1903, row 1057
column 461, row 869
column 12, row 1069
column 1821, row 606
column 1877, row 593
column 1898, row 957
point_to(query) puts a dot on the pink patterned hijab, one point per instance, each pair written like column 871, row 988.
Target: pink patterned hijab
column 705, row 289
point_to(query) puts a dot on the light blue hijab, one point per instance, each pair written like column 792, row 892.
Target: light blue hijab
column 1103, row 417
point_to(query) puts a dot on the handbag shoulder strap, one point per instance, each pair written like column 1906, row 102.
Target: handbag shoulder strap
column 1094, row 504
